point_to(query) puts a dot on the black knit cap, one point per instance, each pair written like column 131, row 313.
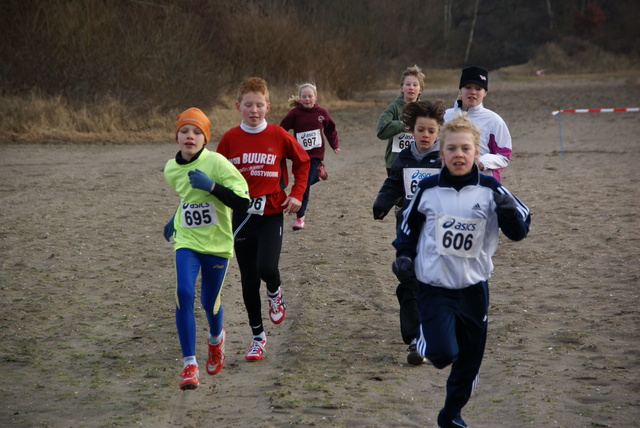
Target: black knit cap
column 477, row 75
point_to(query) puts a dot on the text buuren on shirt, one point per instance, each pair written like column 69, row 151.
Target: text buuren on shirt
column 254, row 164
column 248, row 158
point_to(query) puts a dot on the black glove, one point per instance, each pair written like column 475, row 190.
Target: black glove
column 169, row 229
column 402, row 268
column 379, row 213
column 505, row 205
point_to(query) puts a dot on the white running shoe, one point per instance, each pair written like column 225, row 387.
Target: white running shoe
column 277, row 308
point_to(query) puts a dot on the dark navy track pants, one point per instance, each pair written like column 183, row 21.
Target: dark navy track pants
column 453, row 330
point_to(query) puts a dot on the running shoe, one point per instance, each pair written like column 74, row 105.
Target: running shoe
column 215, row 360
column 277, row 308
column 298, row 224
column 257, row 349
column 413, row 357
column 456, row 422
column 322, row 174
column 189, row 377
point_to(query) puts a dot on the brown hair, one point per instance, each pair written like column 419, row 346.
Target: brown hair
column 253, row 84
column 412, row 111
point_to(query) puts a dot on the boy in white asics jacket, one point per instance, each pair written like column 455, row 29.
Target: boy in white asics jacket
column 446, row 239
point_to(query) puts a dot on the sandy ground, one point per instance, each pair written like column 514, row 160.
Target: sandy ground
column 87, row 330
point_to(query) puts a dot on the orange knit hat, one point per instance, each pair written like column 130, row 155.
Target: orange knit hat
column 194, row 116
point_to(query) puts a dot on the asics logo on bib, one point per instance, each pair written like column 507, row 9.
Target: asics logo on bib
column 306, row 134
column 455, row 224
column 192, row 206
column 418, row 175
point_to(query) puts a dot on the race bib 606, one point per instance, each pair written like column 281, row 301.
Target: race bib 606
column 199, row 215
column 461, row 237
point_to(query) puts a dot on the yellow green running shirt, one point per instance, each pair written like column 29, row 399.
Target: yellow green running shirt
column 202, row 222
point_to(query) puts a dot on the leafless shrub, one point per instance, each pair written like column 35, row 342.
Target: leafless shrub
column 580, row 57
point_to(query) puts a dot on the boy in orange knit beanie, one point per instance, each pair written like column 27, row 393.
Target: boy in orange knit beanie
column 194, row 116
column 209, row 187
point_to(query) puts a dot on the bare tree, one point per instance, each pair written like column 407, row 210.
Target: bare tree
column 550, row 13
column 447, row 18
column 473, row 28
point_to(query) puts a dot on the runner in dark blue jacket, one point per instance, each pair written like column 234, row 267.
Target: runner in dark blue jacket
column 418, row 161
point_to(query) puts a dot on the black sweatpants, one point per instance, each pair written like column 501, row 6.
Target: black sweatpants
column 406, row 293
column 409, row 320
column 453, row 330
column 257, row 242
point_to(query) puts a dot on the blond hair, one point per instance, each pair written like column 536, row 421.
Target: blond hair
column 416, row 72
column 294, row 100
column 253, row 84
column 460, row 123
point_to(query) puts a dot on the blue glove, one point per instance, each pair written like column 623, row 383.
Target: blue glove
column 199, row 180
column 505, row 205
column 169, row 230
column 402, row 267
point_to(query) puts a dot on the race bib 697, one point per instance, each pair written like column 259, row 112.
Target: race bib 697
column 310, row 139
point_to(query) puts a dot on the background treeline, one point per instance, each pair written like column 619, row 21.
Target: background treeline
column 164, row 54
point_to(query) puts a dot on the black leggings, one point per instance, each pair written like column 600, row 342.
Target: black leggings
column 258, row 242
column 312, row 179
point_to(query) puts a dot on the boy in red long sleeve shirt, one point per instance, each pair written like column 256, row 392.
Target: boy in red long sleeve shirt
column 260, row 151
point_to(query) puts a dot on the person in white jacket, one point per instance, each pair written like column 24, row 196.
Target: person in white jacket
column 495, row 139
column 445, row 242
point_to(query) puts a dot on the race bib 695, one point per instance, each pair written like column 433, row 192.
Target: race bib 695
column 199, row 215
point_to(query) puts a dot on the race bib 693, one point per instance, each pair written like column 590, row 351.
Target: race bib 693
column 401, row 141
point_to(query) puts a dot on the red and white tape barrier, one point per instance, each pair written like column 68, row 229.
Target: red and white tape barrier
column 596, row 110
